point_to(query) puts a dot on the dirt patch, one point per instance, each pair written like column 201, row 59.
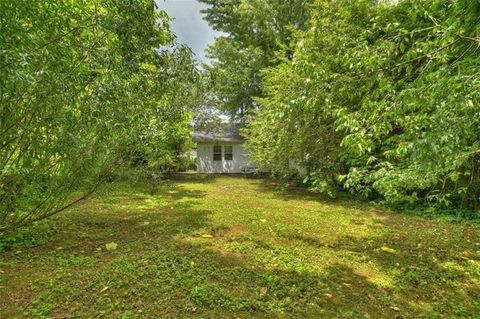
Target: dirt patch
column 230, row 232
column 23, row 293
column 357, row 221
column 228, row 258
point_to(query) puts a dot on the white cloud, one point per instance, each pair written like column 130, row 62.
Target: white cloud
column 189, row 25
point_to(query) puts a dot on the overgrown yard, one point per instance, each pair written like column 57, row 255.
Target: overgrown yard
column 227, row 247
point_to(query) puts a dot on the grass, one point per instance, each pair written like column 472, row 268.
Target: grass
column 267, row 254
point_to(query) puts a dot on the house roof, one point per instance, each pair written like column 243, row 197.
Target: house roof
column 228, row 134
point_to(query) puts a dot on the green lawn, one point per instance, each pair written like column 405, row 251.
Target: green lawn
column 227, row 247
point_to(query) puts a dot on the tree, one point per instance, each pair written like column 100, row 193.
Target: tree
column 79, row 80
column 256, row 32
column 379, row 98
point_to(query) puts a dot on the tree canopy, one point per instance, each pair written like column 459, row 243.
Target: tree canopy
column 376, row 97
column 86, row 87
column 255, row 32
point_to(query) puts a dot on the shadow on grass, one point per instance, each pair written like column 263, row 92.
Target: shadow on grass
column 195, row 177
column 163, row 276
column 122, row 213
column 431, row 282
column 440, row 270
column 174, row 279
column 271, row 186
column 170, row 210
column 220, row 289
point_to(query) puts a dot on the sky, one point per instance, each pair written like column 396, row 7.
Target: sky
column 189, row 25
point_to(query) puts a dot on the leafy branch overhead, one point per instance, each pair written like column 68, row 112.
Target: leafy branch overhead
column 376, row 97
column 86, row 88
column 379, row 98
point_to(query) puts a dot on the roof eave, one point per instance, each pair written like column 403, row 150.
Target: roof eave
column 218, row 140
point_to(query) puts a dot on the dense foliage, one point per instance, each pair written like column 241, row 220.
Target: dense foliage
column 85, row 85
column 378, row 97
column 255, row 32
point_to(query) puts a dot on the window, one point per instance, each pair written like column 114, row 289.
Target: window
column 228, row 153
column 217, row 153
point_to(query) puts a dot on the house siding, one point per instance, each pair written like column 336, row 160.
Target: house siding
column 206, row 164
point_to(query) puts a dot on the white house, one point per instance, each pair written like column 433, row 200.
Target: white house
column 221, row 152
